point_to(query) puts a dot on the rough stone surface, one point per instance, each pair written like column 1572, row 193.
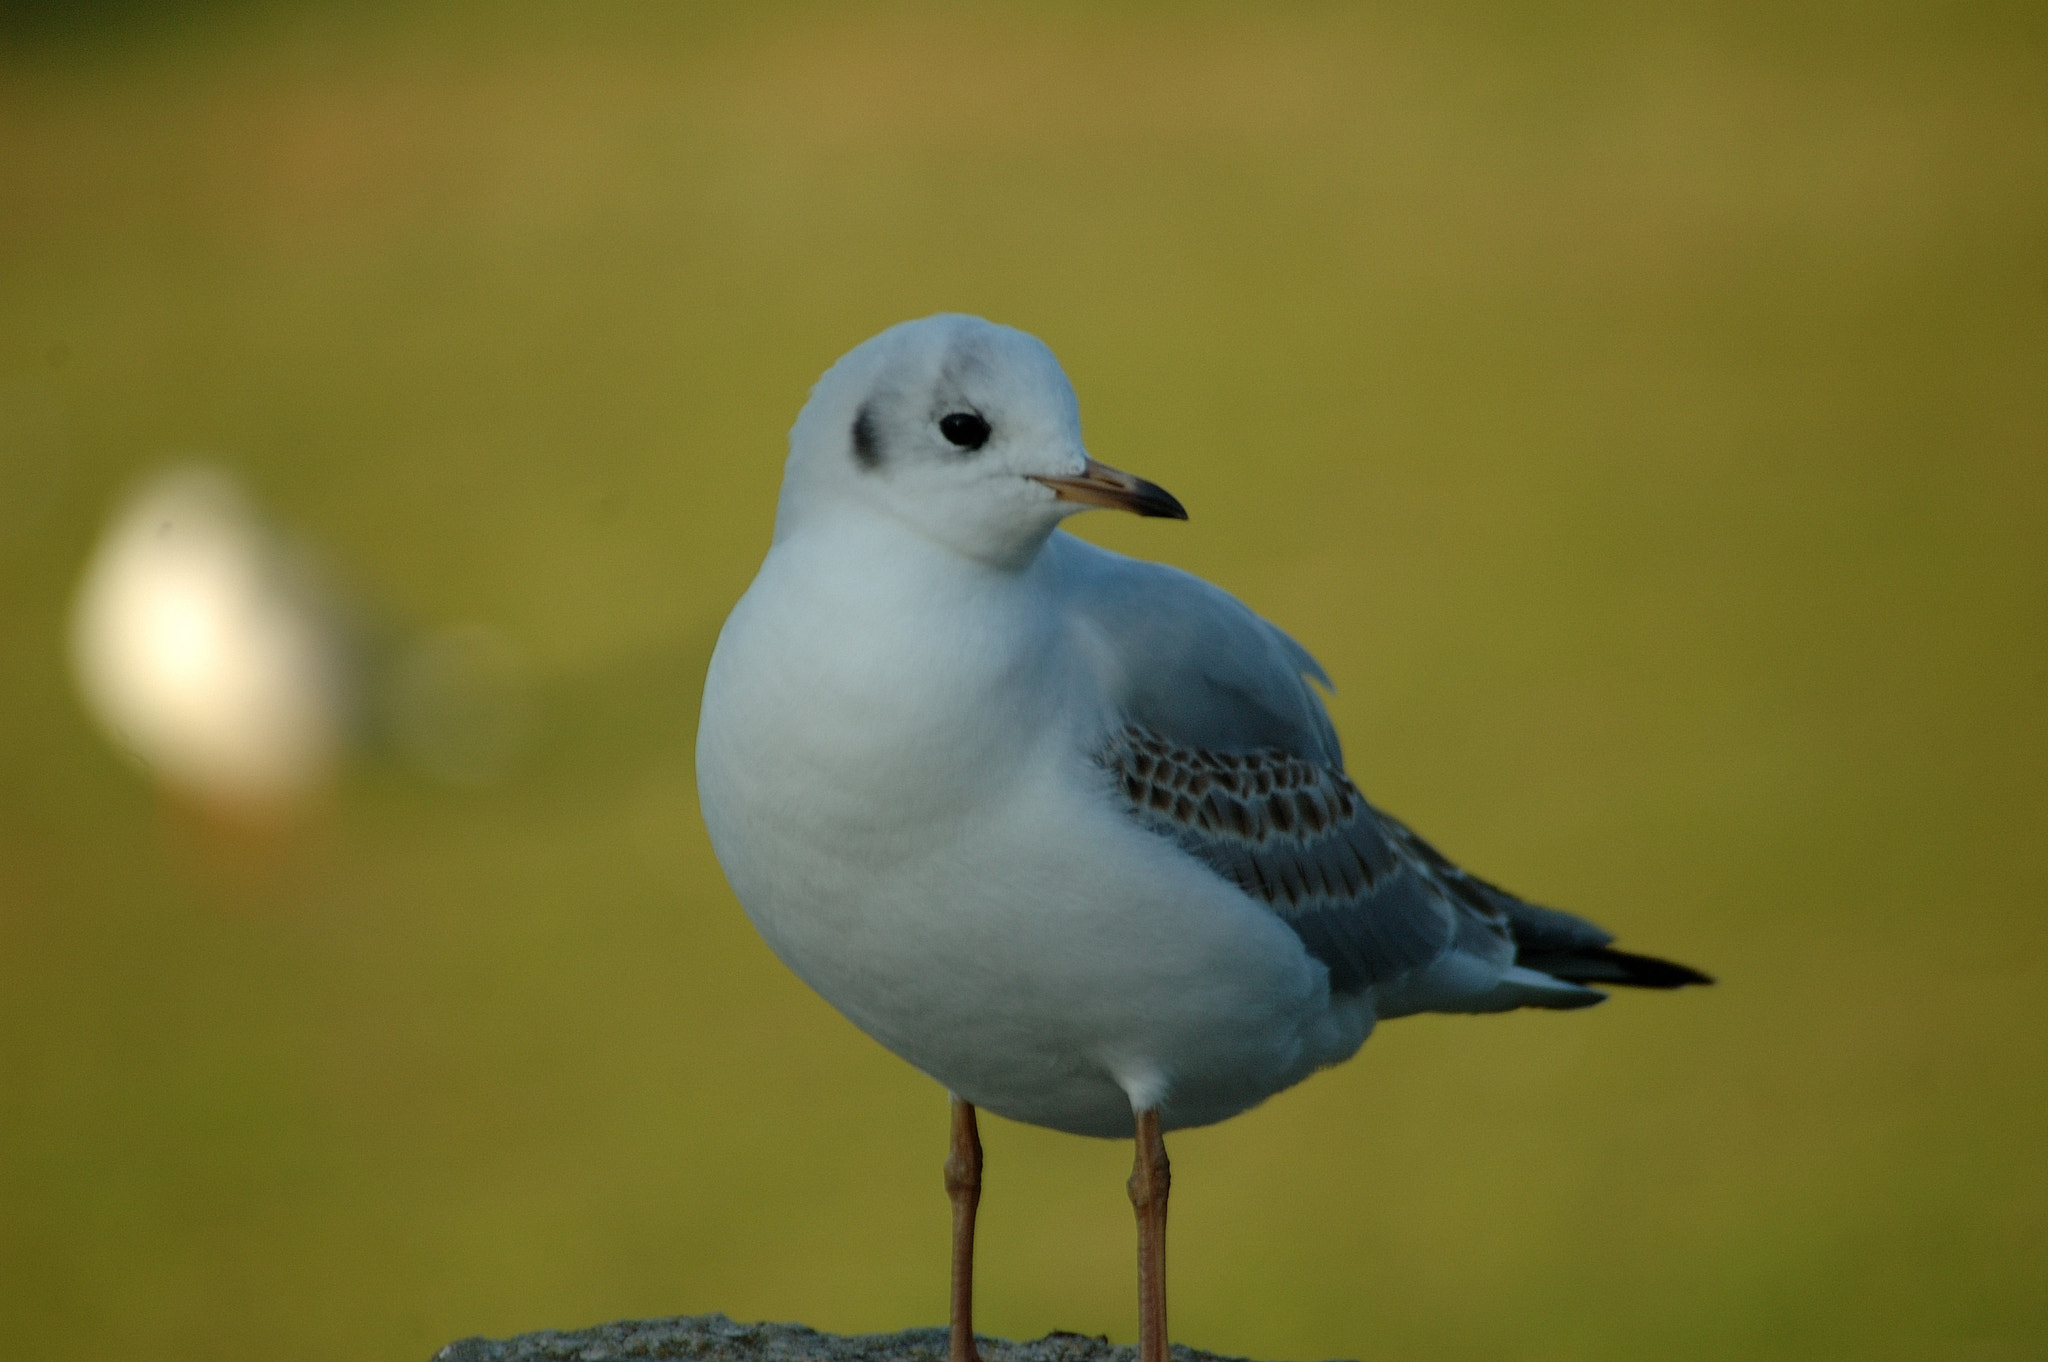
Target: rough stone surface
column 714, row 1338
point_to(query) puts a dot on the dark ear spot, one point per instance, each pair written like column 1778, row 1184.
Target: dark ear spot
column 867, row 446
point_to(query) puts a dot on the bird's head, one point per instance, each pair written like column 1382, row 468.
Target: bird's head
column 962, row 430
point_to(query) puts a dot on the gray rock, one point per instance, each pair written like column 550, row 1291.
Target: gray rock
column 714, row 1338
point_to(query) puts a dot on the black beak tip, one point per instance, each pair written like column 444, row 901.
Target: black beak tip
column 1160, row 504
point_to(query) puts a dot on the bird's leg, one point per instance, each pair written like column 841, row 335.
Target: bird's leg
column 1150, row 1179
column 963, row 1185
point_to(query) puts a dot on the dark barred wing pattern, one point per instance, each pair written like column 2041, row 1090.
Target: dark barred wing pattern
column 1367, row 897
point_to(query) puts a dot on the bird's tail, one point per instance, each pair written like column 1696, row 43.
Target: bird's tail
column 1574, row 950
column 1604, row 965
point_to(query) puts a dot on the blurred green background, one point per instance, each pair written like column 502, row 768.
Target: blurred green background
column 1642, row 411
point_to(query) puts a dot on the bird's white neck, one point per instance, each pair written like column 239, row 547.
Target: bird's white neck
column 863, row 654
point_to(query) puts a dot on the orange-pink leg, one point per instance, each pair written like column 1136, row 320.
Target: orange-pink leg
column 963, row 1185
column 1150, row 1179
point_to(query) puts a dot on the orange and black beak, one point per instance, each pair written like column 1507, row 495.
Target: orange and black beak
column 1100, row 485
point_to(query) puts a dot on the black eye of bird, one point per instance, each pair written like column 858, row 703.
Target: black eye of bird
column 964, row 429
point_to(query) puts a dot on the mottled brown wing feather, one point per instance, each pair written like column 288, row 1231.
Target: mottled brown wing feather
column 1367, row 897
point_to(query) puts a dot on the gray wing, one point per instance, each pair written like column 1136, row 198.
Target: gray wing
column 1297, row 836
column 1222, row 745
column 1193, row 663
column 1226, row 748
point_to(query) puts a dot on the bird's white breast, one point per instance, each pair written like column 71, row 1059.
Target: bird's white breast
column 894, row 763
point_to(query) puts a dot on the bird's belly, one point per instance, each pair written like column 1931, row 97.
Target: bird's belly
column 1038, row 955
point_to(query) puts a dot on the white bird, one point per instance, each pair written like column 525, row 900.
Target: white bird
column 1068, row 831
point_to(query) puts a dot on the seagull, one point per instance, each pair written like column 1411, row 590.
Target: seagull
column 1069, row 831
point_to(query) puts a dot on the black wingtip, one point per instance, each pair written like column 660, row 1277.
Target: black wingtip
column 1647, row 971
column 1602, row 965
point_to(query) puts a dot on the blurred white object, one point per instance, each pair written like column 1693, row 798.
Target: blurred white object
column 203, row 647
